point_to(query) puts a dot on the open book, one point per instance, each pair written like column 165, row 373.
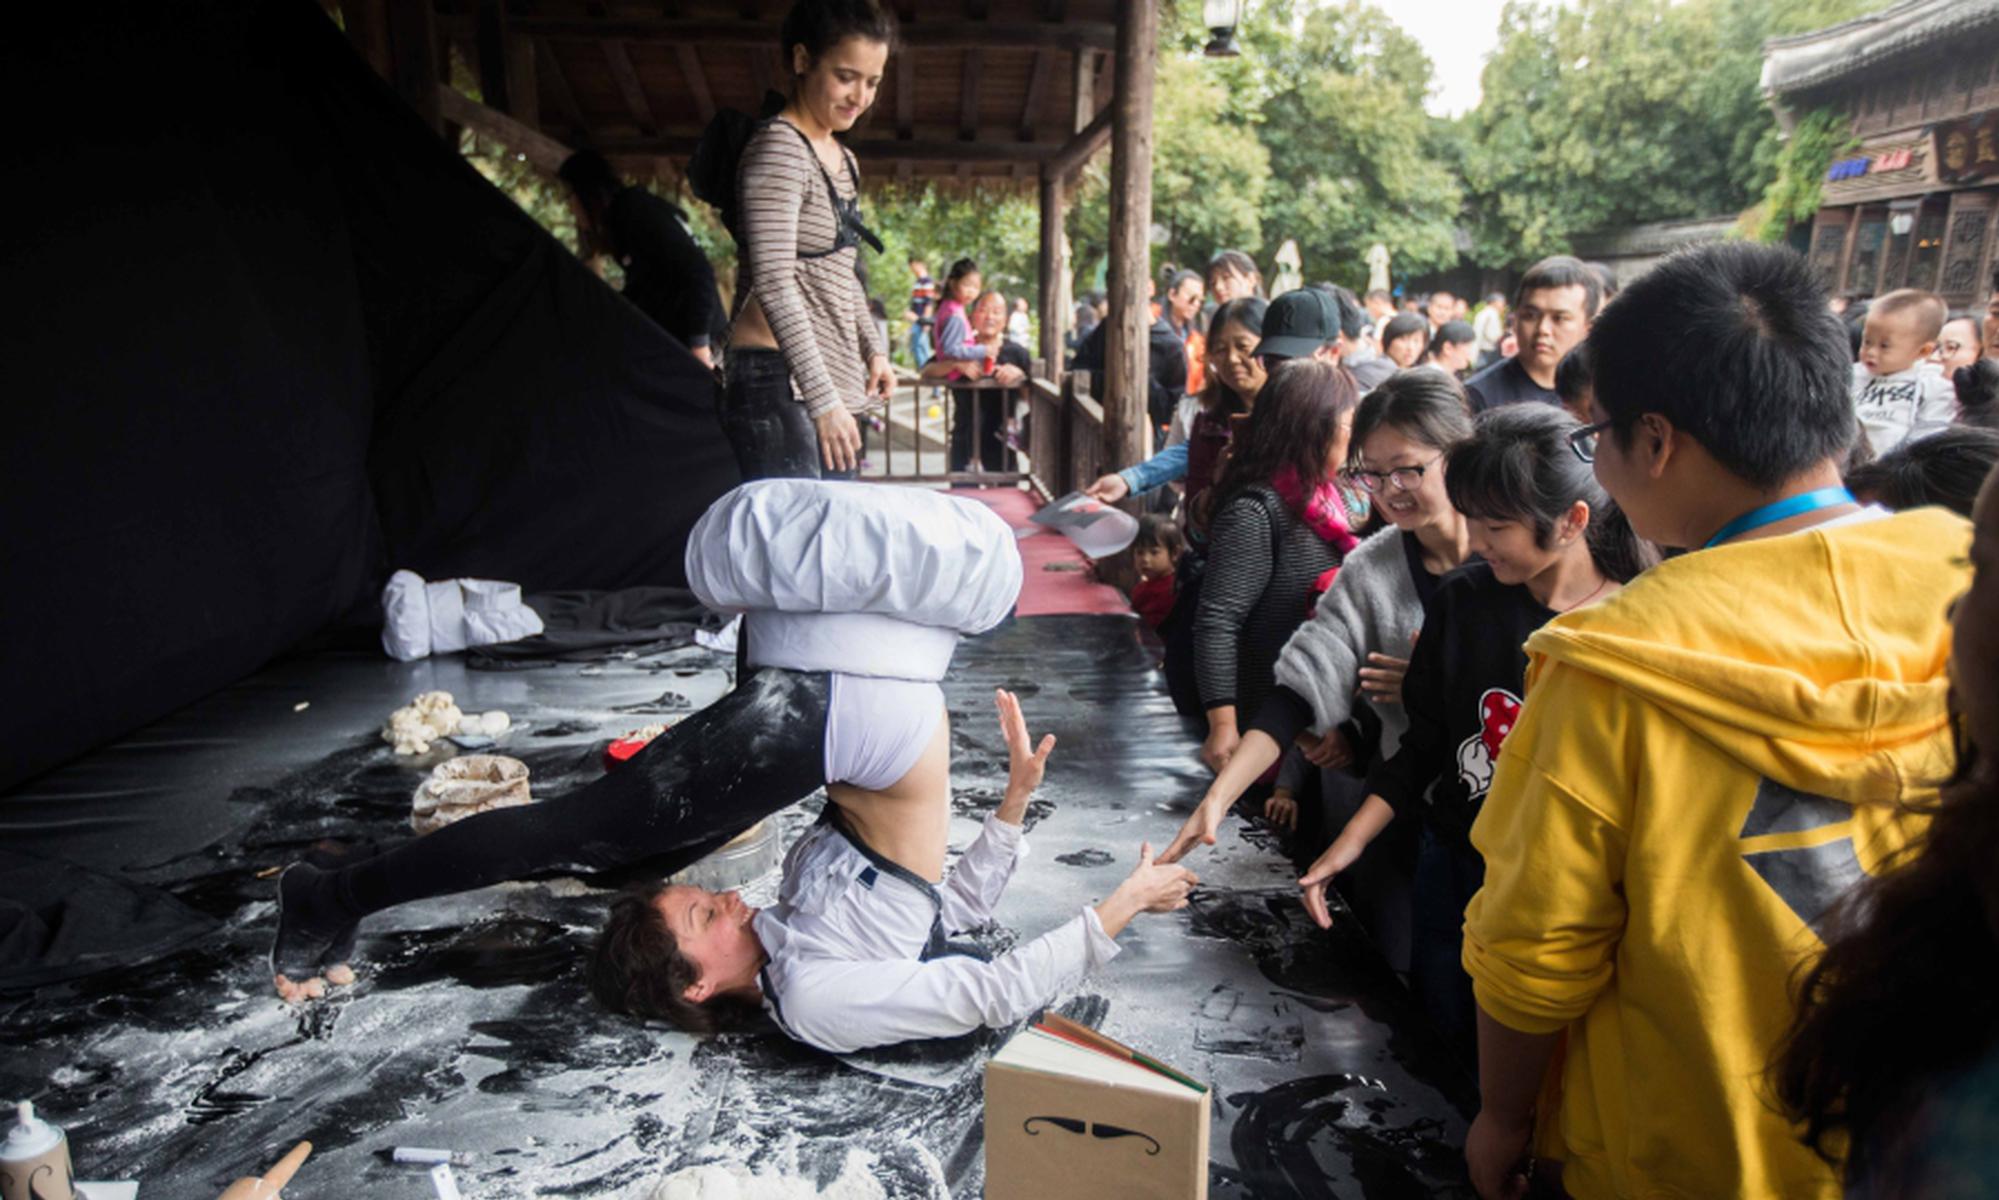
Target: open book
column 1070, row 1111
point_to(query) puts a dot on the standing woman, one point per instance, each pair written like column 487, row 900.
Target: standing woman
column 1277, row 525
column 801, row 313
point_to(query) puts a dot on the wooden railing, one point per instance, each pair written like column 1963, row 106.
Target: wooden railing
column 1056, row 447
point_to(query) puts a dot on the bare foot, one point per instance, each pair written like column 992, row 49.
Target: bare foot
column 311, row 947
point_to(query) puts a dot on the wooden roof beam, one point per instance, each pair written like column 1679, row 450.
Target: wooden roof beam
column 697, row 81
column 537, row 147
column 617, row 56
column 968, row 95
column 920, row 35
column 905, row 96
column 1070, row 157
column 558, row 87
column 1037, row 87
column 879, row 149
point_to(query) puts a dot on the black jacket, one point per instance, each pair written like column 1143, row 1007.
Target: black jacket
column 1166, row 368
column 666, row 274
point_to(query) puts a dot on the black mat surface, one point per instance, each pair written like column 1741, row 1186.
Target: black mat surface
column 471, row 1029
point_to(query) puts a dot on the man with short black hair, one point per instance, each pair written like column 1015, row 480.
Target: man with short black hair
column 1552, row 310
column 1441, row 310
column 1707, row 760
column 667, row 277
column 1357, row 353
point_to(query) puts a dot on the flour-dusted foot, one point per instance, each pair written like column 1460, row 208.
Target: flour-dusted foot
column 313, row 942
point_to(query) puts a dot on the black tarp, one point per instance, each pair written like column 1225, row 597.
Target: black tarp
column 268, row 338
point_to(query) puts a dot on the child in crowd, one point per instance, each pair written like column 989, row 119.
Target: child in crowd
column 1155, row 554
column 1550, row 543
column 955, row 342
column 1897, row 392
column 1945, row 468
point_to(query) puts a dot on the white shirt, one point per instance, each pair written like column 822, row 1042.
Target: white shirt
column 1903, row 406
column 848, row 936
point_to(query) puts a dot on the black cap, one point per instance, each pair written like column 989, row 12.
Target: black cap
column 1298, row 323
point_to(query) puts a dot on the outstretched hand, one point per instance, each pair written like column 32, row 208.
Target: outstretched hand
column 1026, row 762
column 1337, row 857
column 1199, row 830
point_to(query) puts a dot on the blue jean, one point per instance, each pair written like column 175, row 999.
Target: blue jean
column 1448, row 875
column 765, row 424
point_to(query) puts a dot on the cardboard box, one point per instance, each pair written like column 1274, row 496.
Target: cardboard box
column 1072, row 1113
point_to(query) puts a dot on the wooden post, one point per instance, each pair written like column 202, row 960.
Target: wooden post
column 495, row 67
column 1125, row 358
column 1053, row 269
column 367, row 23
column 413, row 49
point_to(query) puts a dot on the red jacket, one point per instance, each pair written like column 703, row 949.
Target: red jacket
column 1152, row 599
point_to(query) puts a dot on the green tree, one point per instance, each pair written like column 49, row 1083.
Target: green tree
column 1354, row 157
column 1608, row 112
column 1209, row 172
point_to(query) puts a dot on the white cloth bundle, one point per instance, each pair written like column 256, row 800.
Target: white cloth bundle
column 863, row 579
column 420, row 619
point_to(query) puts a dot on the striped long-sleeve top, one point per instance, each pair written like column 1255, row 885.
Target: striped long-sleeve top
column 811, row 297
column 1263, row 561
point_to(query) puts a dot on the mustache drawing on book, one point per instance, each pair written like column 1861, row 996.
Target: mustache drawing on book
column 1096, row 1130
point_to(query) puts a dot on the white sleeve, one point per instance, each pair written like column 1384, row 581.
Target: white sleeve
column 841, row 1006
column 973, row 888
column 1937, row 407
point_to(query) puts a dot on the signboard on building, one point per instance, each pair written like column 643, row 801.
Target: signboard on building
column 1968, row 149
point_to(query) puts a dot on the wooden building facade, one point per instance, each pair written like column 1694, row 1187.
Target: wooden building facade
column 1917, row 203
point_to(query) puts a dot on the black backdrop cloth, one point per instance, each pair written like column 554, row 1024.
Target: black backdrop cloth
column 269, row 339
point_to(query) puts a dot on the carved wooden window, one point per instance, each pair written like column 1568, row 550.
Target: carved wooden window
column 1964, row 253
column 1928, row 249
column 1863, row 272
column 1828, row 241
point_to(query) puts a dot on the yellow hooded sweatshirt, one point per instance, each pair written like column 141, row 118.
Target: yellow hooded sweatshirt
column 1705, row 762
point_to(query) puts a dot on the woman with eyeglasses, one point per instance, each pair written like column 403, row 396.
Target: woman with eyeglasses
column 1548, row 541
column 1342, row 670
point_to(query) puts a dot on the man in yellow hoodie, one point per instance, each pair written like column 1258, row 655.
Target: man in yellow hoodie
column 1707, row 759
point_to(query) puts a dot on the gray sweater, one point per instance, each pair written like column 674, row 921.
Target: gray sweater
column 1371, row 607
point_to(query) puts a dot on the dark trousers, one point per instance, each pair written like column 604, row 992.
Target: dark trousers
column 755, row 751
column 1448, row 875
column 978, row 415
column 765, row 424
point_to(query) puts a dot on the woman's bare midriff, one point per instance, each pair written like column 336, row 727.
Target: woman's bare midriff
column 751, row 331
column 909, row 823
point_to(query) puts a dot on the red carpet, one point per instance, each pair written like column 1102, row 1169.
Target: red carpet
column 1058, row 579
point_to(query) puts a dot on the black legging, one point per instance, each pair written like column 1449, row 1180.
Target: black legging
column 755, row 751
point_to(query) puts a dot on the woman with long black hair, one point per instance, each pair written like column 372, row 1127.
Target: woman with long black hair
column 804, row 355
column 1277, row 525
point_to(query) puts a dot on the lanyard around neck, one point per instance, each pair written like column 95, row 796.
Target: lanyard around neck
column 1785, row 509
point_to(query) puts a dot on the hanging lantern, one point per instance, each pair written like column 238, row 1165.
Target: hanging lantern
column 1221, row 17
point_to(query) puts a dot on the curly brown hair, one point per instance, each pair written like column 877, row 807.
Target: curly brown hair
column 637, row 968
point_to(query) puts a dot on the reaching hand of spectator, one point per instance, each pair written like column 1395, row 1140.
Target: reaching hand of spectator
column 1108, row 489
column 1008, row 375
column 1337, row 857
column 1281, row 810
column 1220, row 746
column 1331, row 751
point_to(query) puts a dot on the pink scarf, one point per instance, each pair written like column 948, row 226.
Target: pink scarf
column 1325, row 513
